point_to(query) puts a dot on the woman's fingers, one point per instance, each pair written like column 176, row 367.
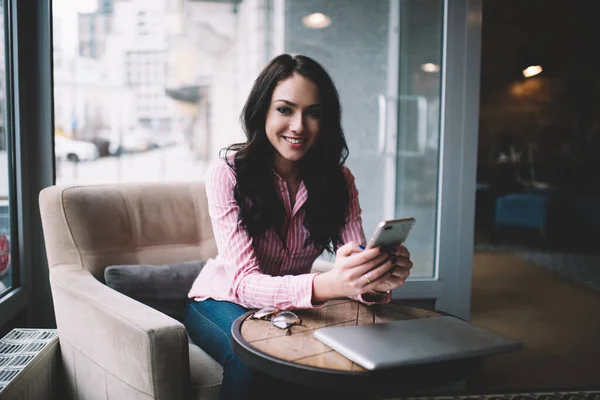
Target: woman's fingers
column 390, row 280
column 375, row 275
column 380, row 264
column 384, row 270
column 369, row 269
column 390, row 283
column 400, row 251
column 404, row 262
column 356, row 271
column 348, row 249
column 401, row 272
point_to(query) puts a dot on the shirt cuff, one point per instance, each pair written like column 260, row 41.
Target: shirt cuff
column 303, row 288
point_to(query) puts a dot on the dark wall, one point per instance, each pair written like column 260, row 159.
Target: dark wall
column 558, row 112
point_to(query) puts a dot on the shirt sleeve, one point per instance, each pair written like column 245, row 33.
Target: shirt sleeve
column 249, row 285
column 353, row 231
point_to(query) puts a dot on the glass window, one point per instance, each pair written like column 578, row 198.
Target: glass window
column 6, row 275
column 177, row 103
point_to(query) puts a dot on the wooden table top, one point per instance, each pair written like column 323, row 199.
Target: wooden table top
column 302, row 348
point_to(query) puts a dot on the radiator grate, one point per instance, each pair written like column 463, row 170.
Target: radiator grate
column 17, row 350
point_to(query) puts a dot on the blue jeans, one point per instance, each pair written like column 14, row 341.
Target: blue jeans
column 209, row 324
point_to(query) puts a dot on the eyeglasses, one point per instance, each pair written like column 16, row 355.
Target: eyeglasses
column 281, row 319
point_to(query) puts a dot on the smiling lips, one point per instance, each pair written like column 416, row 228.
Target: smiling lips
column 294, row 140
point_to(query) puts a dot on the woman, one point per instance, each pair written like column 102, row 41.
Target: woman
column 276, row 203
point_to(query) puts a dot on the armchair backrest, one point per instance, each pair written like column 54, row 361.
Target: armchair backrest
column 96, row 226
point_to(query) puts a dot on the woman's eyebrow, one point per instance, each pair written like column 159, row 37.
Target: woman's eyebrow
column 292, row 104
column 289, row 103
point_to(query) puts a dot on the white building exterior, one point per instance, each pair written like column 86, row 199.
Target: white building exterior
column 87, row 103
column 145, row 48
column 136, row 55
column 226, row 46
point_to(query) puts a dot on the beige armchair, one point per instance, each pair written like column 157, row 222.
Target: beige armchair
column 113, row 347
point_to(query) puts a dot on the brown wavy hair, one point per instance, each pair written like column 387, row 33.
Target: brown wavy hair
column 321, row 168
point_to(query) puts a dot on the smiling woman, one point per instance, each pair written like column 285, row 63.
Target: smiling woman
column 277, row 201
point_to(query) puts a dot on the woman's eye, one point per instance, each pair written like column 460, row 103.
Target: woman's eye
column 284, row 110
column 316, row 114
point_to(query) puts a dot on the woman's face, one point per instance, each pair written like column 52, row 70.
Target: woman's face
column 293, row 119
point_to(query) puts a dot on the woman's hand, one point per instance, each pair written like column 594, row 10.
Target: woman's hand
column 356, row 271
column 397, row 276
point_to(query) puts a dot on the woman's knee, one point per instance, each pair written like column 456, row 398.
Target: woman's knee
column 190, row 318
column 209, row 326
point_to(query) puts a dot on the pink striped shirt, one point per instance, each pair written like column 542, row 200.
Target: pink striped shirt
column 259, row 272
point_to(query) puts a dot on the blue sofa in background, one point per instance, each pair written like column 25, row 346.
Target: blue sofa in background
column 522, row 210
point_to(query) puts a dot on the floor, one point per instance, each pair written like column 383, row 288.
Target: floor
column 529, row 296
column 583, row 268
column 551, row 302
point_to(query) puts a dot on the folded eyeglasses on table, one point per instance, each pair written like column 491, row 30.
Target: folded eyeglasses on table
column 281, row 319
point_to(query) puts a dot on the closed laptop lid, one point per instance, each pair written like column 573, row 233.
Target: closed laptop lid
column 415, row 341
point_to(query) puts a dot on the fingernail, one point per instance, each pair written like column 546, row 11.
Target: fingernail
column 361, row 247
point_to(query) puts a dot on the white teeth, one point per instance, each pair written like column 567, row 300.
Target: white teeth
column 294, row 141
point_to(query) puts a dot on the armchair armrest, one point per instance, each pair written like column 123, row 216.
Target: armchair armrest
column 138, row 345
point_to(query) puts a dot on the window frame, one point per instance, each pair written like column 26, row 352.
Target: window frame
column 14, row 300
column 30, row 127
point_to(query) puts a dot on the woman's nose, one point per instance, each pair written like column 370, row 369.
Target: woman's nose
column 297, row 123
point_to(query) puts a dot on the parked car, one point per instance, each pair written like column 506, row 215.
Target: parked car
column 74, row 150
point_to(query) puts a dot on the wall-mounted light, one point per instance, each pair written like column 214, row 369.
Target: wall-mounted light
column 532, row 70
column 430, row 67
column 316, row 21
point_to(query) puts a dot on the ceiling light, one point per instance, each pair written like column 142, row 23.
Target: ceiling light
column 430, row 67
column 532, row 71
column 316, row 21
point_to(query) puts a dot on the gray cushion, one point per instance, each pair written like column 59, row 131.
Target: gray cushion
column 163, row 287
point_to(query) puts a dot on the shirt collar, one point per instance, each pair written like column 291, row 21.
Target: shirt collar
column 301, row 196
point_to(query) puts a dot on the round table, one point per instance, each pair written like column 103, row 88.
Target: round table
column 301, row 358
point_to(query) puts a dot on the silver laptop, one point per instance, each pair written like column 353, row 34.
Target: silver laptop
column 411, row 342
